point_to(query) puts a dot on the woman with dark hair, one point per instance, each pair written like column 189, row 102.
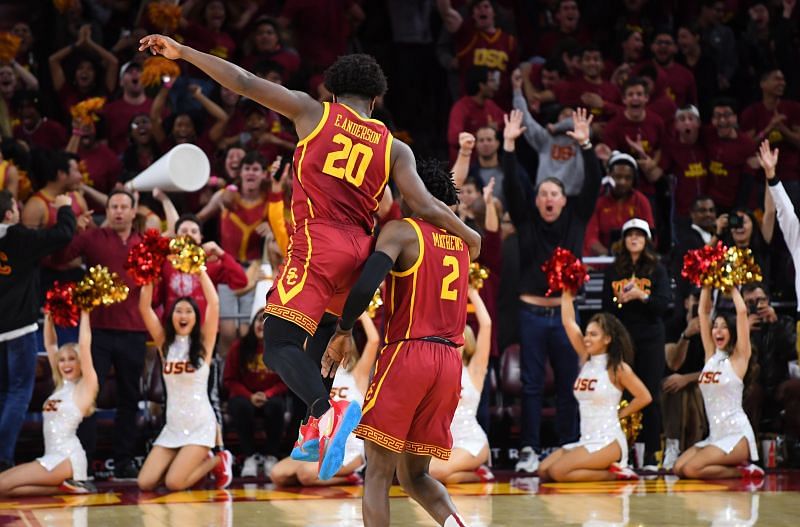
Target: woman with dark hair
column 143, row 149
column 730, row 444
column 264, row 43
column 741, row 229
column 636, row 289
column 254, row 390
column 601, row 454
column 181, row 454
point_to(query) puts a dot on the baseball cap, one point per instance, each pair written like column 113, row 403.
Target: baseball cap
column 128, row 65
column 636, row 223
column 691, row 108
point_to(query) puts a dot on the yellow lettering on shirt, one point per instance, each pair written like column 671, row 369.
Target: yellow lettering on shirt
column 447, row 242
column 775, row 136
column 357, row 130
column 718, row 169
column 695, row 170
column 491, row 58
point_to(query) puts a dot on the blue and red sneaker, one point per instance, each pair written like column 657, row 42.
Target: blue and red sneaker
column 306, row 448
column 334, row 428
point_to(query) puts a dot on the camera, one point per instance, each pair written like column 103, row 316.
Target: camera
column 735, row 221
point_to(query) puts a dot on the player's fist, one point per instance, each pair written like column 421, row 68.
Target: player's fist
column 340, row 348
column 160, row 45
column 466, row 141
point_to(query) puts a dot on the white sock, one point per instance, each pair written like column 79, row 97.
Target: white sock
column 454, row 520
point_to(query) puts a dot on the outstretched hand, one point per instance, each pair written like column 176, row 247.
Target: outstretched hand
column 768, row 159
column 513, row 125
column 160, row 45
column 340, row 348
column 581, row 126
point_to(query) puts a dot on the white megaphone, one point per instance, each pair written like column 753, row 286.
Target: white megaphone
column 262, row 288
column 185, row 168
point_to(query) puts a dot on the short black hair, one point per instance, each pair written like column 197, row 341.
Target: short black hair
column 357, row 75
column 264, row 67
column 730, row 102
column 27, row 98
column 590, row 48
column 6, row 203
column 121, row 191
column 752, row 286
column 188, row 216
column 438, row 180
column 252, row 157
column 475, row 76
column 767, row 70
column 48, row 163
column 555, row 64
column 702, row 197
column 635, row 81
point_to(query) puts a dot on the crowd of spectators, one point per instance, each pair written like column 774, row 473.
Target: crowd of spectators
column 680, row 93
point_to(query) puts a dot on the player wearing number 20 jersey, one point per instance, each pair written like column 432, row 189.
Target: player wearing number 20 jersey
column 341, row 171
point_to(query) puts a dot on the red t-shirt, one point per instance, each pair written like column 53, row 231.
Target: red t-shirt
column 341, row 169
column 550, row 40
column 256, row 377
column 664, row 107
column 756, row 117
column 610, row 215
column 689, row 166
column 651, row 128
column 204, row 39
column 430, row 299
column 118, row 115
column 49, row 135
column 496, row 51
column 467, row 115
column 727, row 163
column 680, row 84
column 101, row 166
column 568, row 93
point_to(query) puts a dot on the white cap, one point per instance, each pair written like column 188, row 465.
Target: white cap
column 692, row 109
column 636, row 223
column 622, row 157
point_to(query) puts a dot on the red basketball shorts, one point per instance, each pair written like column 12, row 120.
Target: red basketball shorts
column 410, row 404
column 323, row 263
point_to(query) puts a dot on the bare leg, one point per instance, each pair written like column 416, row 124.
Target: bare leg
column 378, row 481
column 412, row 472
column 712, row 463
column 308, row 474
column 32, row 479
column 191, row 464
column 546, row 465
column 155, row 466
column 460, row 468
column 579, row 464
column 683, row 459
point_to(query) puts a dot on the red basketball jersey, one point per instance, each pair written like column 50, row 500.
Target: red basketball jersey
column 430, row 298
column 51, row 216
column 237, row 229
column 341, row 168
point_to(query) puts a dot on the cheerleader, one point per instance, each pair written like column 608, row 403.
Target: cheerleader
column 349, row 384
column 731, row 444
column 181, row 454
column 602, row 452
column 62, row 469
column 470, row 453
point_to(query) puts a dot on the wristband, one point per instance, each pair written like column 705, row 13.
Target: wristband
column 683, row 336
column 586, row 145
column 232, row 188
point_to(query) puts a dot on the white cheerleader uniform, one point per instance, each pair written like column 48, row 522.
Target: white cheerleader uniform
column 722, row 395
column 345, row 389
column 190, row 418
column 467, row 433
column 61, row 418
column 598, row 400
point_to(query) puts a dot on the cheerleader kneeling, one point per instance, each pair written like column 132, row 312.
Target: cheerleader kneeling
column 63, row 467
column 601, row 454
column 181, row 454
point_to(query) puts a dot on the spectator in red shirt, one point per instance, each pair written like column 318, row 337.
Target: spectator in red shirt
column 35, row 130
column 184, row 126
column 264, row 43
column 567, row 15
column 590, row 89
column 119, row 113
column 778, row 120
column 612, row 210
column 638, row 132
column 700, row 64
column 476, row 108
column 731, row 157
column 660, row 102
column 100, row 165
column 205, row 32
column 679, row 80
column 684, row 159
column 479, row 42
column 254, row 390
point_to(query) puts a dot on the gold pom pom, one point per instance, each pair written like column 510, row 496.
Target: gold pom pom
column 65, row 5
column 99, row 287
column 157, row 70
column 9, row 46
column 86, row 111
column 631, row 425
column 477, row 274
column 738, row 267
column 375, row 303
column 164, row 16
column 187, row 256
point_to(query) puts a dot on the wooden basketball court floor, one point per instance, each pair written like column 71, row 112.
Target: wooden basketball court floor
column 510, row 501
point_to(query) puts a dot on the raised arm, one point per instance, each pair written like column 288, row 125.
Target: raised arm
column 743, row 346
column 363, row 369
column 156, row 113
column 492, row 221
column 571, row 327
column 87, row 388
column 417, row 197
column 56, row 69
column 466, row 142
column 704, row 313
column 214, row 110
column 483, row 342
column 110, row 62
column 170, row 212
column 151, row 321
column 50, row 341
column 296, row 105
column 211, row 322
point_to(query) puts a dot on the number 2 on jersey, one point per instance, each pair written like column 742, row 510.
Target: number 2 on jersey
column 447, row 293
column 358, row 154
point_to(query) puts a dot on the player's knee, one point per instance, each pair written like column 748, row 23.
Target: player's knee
column 146, row 483
column 558, row 473
column 175, row 483
column 307, row 475
column 692, row 470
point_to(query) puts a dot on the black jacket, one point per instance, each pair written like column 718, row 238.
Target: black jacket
column 636, row 315
column 21, row 249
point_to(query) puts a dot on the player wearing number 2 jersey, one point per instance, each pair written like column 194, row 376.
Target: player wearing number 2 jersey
column 410, row 404
column 331, row 237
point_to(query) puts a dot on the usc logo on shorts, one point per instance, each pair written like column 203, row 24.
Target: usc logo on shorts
column 291, row 276
column 177, row 368
column 710, row 377
column 51, row 405
column 584, row 385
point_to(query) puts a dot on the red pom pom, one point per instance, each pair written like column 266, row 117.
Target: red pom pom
column 699, row 264
column 564, row 271
column 146, row 258
column 59, row 304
